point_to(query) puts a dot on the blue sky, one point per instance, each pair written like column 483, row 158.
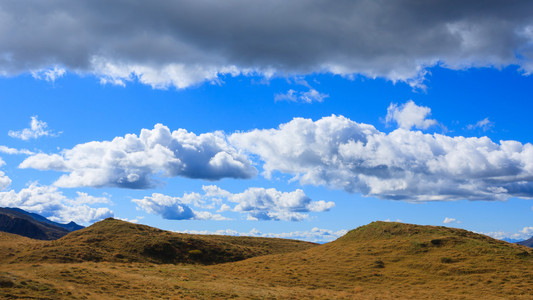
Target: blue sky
column 280, row 128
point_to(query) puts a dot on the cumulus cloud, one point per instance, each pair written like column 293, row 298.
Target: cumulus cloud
column 132, row 161
column 271, row 204
column 316, row 235
column 7, row 150
column 309, row 96
column 182, row 43
column 409, row 115
column 5, row 181
column 402, row 165
column 256, row 203
column 333, row 151
column 49, row 202
column 174, row 208
column 484, row 125
column 37, row 129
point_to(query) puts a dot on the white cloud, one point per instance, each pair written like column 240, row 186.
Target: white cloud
column 174, row 208
column 5, row 181
column 450, row 220
column 136, row 220
column 402, row 165
column 37, row 129
column 7, row 150
column 316, row 235
column 333, row 151
column 484, row 124
column 132, row 161
column 162, row 43
column 84, row 198
column 309, row 96
column 49, row 202
column 50, row 74
column 271, row 204
column 256, row 203
column 409, row 115
column 523, row 234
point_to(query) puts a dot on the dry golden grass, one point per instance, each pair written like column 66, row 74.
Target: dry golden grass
column 377, row 261
column 118, row 241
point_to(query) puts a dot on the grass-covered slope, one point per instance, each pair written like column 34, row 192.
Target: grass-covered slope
column 402, row 260
column 118, row 241
column 377, row 261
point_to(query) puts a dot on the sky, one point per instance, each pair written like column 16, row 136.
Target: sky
column 300, row 119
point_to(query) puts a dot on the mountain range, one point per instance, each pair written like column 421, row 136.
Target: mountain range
column 21, row 222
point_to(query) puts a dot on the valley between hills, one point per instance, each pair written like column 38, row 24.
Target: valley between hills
column 113, row 259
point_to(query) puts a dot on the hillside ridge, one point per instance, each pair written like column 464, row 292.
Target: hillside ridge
column 115, row 240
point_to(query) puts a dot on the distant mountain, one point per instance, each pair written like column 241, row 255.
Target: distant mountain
column 528, row 242
column 21, row 222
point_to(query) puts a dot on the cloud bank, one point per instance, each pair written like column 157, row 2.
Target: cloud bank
column 182, row 43
column 403, row 165
column 271, row 204
column 257, row 203
column 132, row 161
column 333, row 151
column 316, row 235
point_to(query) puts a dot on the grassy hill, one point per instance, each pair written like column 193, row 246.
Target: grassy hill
column 401, row 260
column 378, row 261
column 118, row 241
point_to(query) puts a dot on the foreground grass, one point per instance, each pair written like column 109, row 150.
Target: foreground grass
column 377, row 261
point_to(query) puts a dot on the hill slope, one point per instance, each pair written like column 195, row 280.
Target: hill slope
column 18, row 221
column 118, row 241
column 402, row 260
column 377, row 261
column 528, row 242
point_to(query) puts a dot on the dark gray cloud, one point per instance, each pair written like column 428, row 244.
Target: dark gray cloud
column 180, row 43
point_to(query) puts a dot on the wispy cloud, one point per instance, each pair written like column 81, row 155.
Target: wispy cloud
column 309, row 96
column 50, row 74
column 523, row 234
column 484, row 125
column 37, row 129
column 317, row 235
column 450, row 220
column 7, row 150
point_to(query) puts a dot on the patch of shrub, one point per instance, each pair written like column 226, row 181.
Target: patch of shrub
column 446, row 260
column 436, row 242
column 379, row 264
column 6, row 283
column 195, row 252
